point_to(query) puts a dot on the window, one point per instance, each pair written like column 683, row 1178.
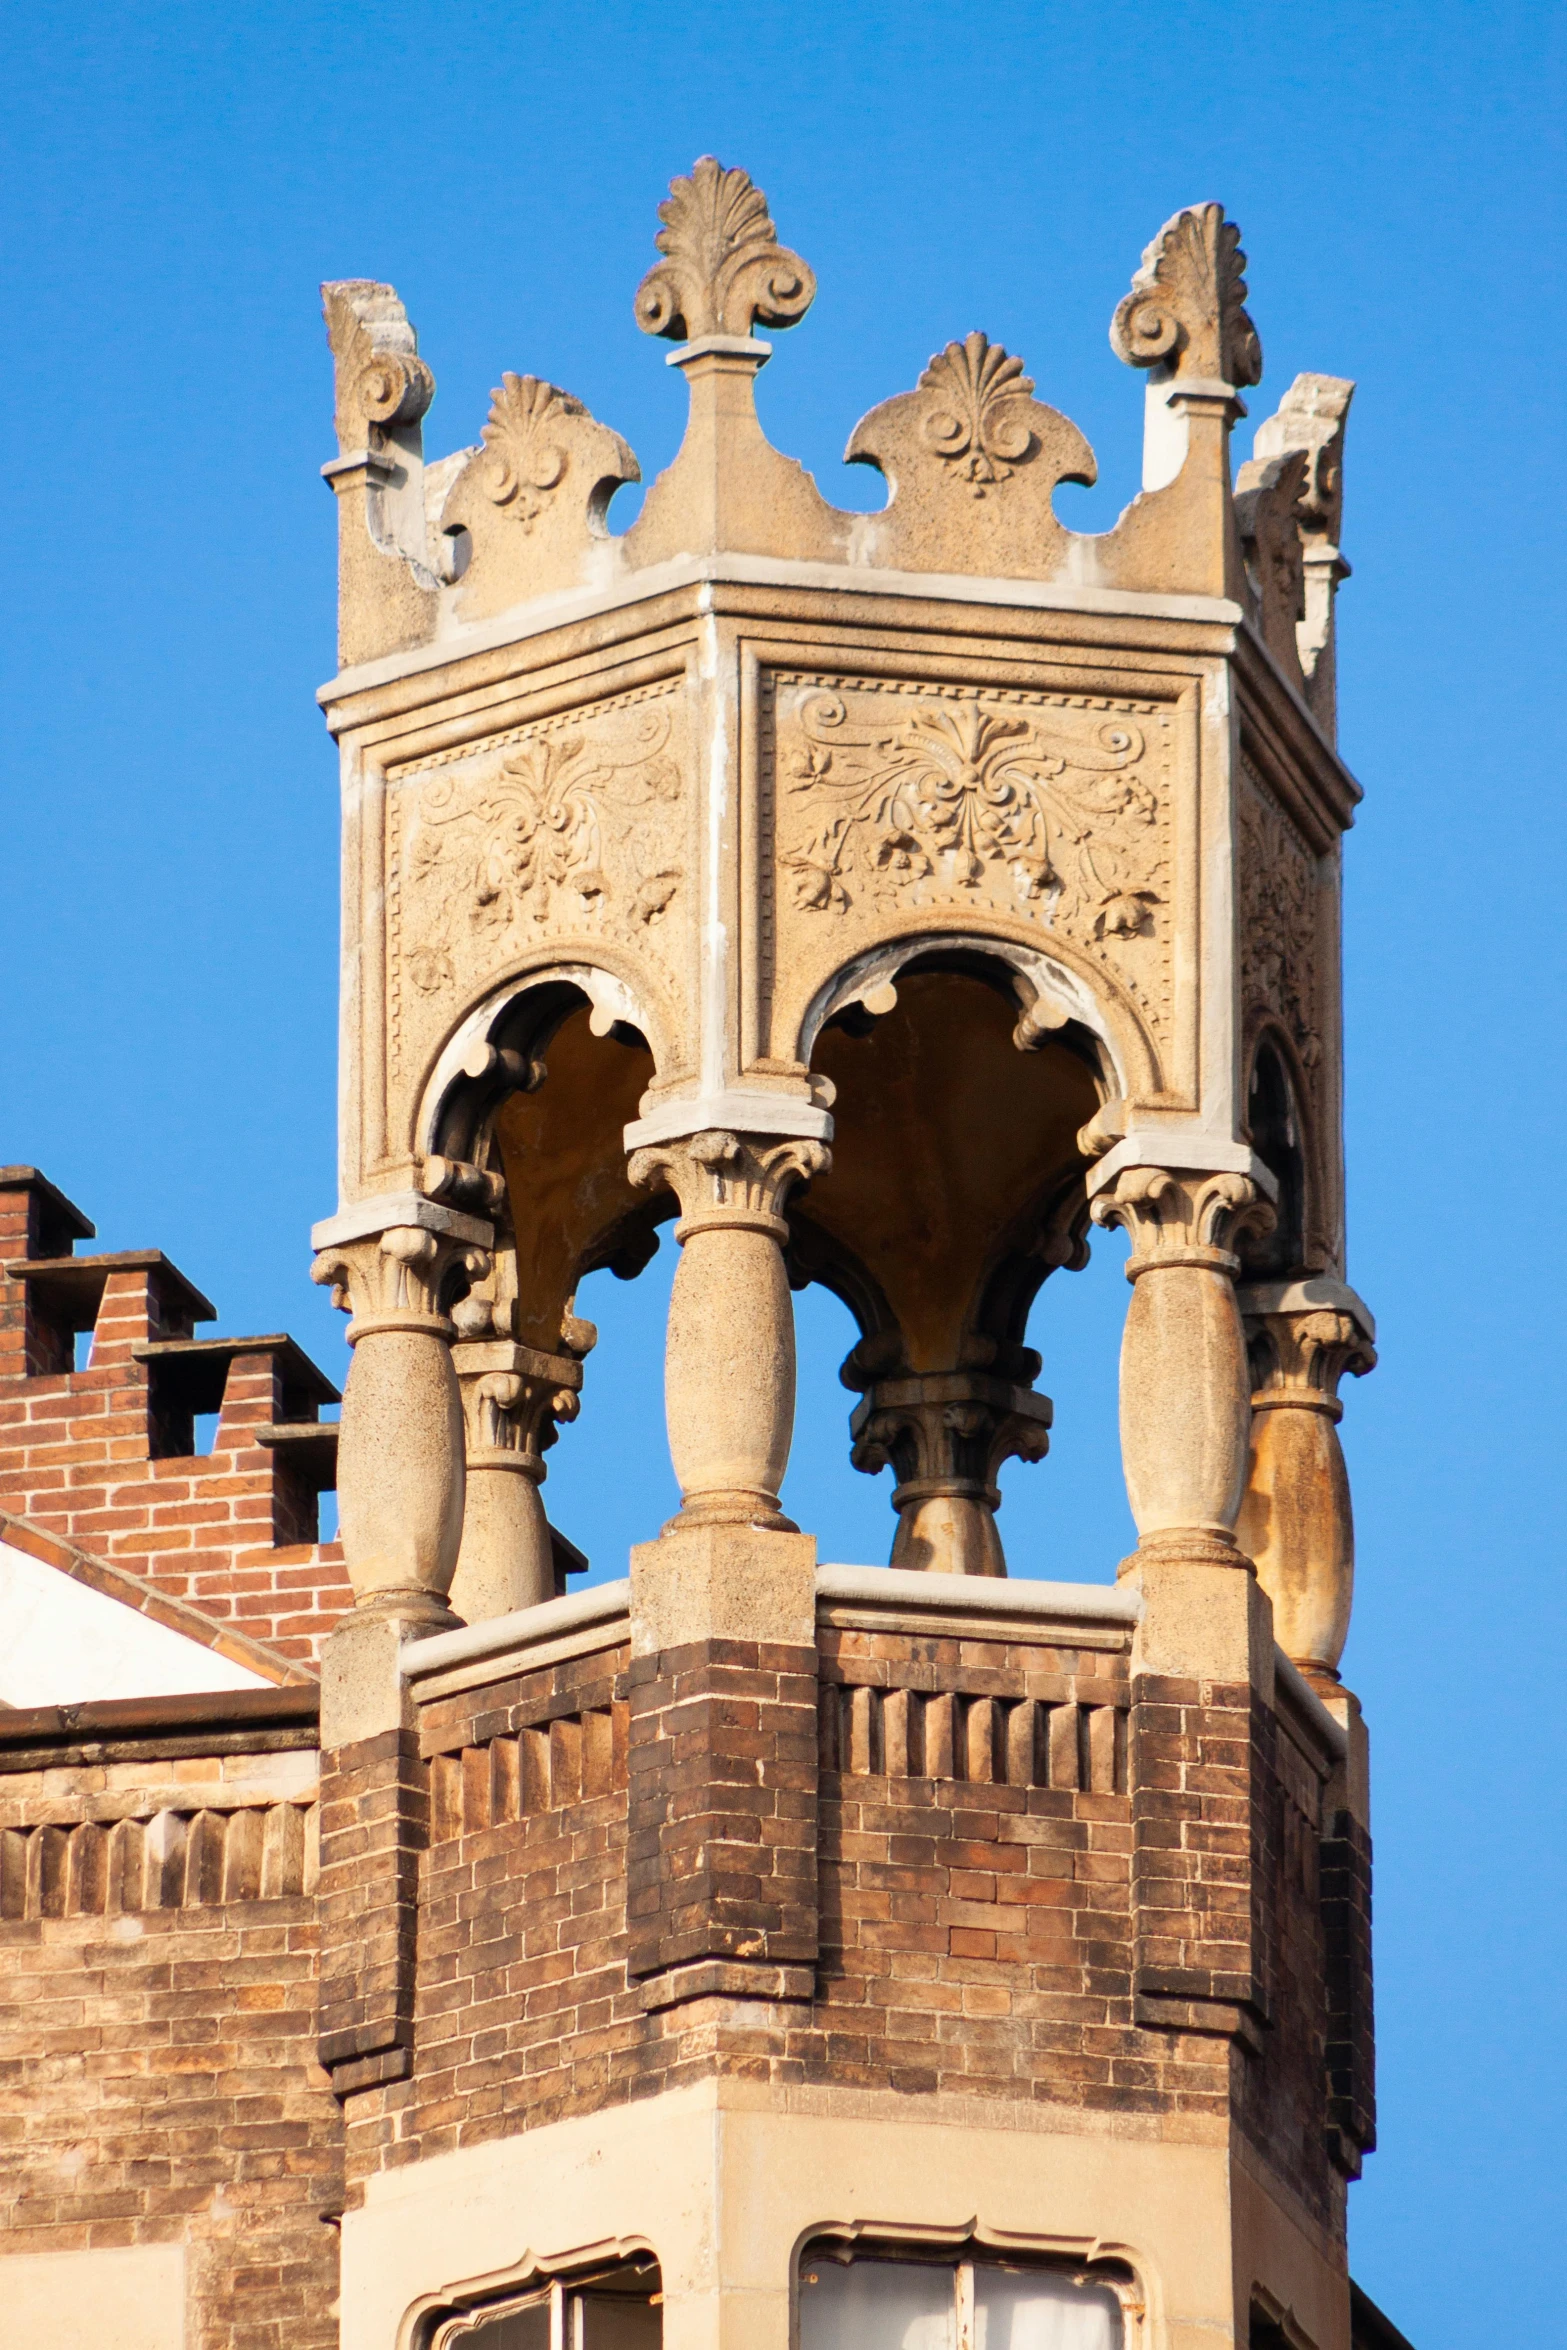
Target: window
column 616, row 2309
column 912, row 2304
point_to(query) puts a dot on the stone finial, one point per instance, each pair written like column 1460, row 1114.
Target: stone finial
column 1268, row 515
column 1187, row 303
column 723, row 267
column 1306, row 431
column 381, row 379
column 1311, row 417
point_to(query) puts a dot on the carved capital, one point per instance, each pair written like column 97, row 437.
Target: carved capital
column 948, row 1433
column 1186, row 308
column 728, row 1180
column 398, row 1279
column 723, row 267
column 1182, row 1219
column 515, row 1398
column 1298, row 1359
column 381, row 380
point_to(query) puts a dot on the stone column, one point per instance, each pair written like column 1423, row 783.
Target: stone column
column 512, row 1398
column 729, row 1361
column 1295, row 1522
column 946, row 1434
column 400, row 1454
column 1185, row 1392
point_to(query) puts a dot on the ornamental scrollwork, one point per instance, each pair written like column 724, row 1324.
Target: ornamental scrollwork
column 723, row 267
column 976, row 420
column 570, row 829
column 1187, row 304
column 381, row 381
column 1278, row 921
column 968, row 801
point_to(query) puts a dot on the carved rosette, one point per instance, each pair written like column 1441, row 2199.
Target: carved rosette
column 1046, row 810
column 1185, row 1392
column 723, row 268
column 945, row 1435
column 1187, row 305
column 729, row 1361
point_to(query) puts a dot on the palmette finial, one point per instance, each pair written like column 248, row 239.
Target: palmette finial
column 723, row 268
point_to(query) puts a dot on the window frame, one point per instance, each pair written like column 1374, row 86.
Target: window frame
column 1085, row 2262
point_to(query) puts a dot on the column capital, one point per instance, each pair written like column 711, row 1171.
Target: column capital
column 1298, row 1359
column 397, row 1278
column 730, row 1182
column 946, row 1434
column 1185, row 1218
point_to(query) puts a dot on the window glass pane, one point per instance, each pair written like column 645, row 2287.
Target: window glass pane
column 876, row 2305
column 613, row 2321
column 520, row 2329
column 1019, row 2309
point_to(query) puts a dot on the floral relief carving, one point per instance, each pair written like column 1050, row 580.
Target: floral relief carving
column 527, row 462
column 976, row 421
column 962, row 798
column 569, row 827
column 723, row 267
column 1278, row 920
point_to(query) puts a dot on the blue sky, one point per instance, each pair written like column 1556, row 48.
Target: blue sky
column 178, row 180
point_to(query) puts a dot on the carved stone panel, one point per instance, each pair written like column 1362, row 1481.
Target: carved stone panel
column 899, row 806
column 1279, row 913
column 567, row 839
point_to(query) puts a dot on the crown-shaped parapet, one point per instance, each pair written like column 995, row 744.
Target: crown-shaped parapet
column 972, row 458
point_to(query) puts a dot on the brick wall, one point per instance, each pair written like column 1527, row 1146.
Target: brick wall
column 105, row 1457
column 157, row 2012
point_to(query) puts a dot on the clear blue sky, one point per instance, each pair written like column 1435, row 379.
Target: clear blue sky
column 178, row 181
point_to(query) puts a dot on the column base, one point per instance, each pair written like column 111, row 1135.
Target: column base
column 1198, row 1547
column 741, row 1507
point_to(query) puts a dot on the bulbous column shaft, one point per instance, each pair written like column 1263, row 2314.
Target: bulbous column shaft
column 1296, row 1521
column 400, row 1453
column 513, row 1396
column 1185, row 1388
column 729, row 1358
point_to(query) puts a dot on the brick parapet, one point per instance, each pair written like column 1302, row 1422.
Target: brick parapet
column 977, row 1903
column 104, row 1456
